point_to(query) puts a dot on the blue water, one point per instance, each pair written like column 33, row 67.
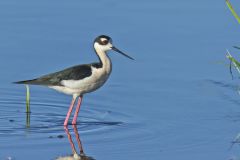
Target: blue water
column 176, row 101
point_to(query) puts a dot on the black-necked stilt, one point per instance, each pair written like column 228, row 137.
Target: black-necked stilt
column 81, row 79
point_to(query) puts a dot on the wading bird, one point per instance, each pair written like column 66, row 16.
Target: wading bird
column 80, row 79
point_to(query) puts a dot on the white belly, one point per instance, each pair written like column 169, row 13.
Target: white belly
column 86, row 85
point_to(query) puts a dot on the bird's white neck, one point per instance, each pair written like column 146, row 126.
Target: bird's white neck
column 104, row 59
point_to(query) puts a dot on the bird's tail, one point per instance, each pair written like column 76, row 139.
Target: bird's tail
column 32, row 81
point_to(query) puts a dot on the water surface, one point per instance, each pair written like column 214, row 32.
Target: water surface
column 175, row 101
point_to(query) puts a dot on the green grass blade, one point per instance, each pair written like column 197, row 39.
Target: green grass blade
column 234, row 61
column 28, row 100
column 233, row 11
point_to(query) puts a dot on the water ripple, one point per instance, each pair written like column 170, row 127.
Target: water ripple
column 47, row 116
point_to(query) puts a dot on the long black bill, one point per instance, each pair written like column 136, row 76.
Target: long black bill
column 117, row 50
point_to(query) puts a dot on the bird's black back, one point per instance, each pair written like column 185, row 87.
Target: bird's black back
column 72, row 73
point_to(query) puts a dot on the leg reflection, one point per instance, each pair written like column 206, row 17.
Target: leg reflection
column 78, row 140
column 75, row 155
column 70, row 140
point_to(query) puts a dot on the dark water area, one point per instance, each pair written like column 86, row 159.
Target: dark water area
column 177, row 100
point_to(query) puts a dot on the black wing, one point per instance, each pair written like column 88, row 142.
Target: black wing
column 54, row 79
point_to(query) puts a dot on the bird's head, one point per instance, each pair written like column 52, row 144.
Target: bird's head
column 104, row 43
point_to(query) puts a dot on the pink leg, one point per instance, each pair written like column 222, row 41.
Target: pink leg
column 69, row 111
column 77, row 110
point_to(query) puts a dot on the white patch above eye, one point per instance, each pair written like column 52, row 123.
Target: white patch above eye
column 103, row 39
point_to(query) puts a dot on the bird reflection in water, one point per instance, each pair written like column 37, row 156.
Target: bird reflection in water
column 75, row 155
